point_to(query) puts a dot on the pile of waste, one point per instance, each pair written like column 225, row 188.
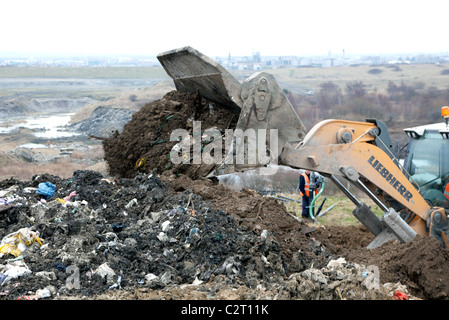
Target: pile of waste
column 86, row 236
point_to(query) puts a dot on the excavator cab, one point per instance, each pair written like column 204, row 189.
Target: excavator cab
column 427, row 161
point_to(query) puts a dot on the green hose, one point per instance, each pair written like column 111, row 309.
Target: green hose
column 313, row 201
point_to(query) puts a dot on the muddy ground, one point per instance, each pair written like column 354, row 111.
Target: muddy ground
column 158, row 231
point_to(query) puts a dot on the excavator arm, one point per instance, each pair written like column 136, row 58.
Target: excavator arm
column 353, row 151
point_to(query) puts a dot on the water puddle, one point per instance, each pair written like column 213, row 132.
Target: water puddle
column 49, row 126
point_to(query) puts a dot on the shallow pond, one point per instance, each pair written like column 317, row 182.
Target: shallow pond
column 48, row 126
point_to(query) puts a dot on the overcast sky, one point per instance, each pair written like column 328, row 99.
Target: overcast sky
column 217, row 28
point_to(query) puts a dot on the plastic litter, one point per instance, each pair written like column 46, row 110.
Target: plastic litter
column 117, row 284
column 162, row 237
column 165, row 225
column 60, row 267
column 47, row 189
column 66, row 200
column 118, row 227
column 72, row 194
column 8, row 191
column 132, row 203
column 399, row 295
column 40, row 294
column 43, row 293
column 264, row 234
column 13, row 270
column 194, row 234
column 31, row 297
column 152, row 279
column 17, row 242
column 105, row 272
column 193, row 231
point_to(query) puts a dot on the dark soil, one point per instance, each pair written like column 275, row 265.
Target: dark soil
column 147, row 135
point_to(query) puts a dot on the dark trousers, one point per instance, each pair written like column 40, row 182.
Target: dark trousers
column 305, row 206
column 306, row 201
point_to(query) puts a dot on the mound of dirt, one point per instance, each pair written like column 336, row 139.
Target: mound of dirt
column 147, row 136
column 421, row 265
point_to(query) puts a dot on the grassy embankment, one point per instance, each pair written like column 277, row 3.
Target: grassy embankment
column 340, row 209
column 426, row 74
column 83, row 72
column 67, row 78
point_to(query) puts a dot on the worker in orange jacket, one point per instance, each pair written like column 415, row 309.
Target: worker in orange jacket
column 304, row 191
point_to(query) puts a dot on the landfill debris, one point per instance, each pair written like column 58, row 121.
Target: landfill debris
column 13, row 270
column 105, row 272
column 158, row 232
column 47, row 189
column 159, row 236
column 159, row 244
column 17, row 242
column 400, row 295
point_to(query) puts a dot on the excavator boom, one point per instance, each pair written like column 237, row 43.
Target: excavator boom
column 353, row 151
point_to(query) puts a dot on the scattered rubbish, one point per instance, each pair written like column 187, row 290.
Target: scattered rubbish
column 29, row 189
column 17, row 242
column 132, row 203
column 162, row 237
column 66, row 200
column 165, row 225
column 8, row 191
column 13, row 270
column 194, row 235
column 43, row 293
column 40, row 294
column 29, row 297
column 60, row 267
column 117, row 284
column 400, row 295
column 47, row 275
column 47, row 189
column 105, row 272
column 118, row 227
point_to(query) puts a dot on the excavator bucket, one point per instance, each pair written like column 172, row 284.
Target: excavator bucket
column 193, row 72
column 266, row 122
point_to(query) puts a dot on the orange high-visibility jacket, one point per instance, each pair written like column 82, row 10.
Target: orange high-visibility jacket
column 446, row 191
column 307, row 186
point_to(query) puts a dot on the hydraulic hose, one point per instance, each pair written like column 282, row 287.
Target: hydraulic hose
column 313, row 201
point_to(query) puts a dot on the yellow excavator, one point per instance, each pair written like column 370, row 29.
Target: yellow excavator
column 409, row 191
